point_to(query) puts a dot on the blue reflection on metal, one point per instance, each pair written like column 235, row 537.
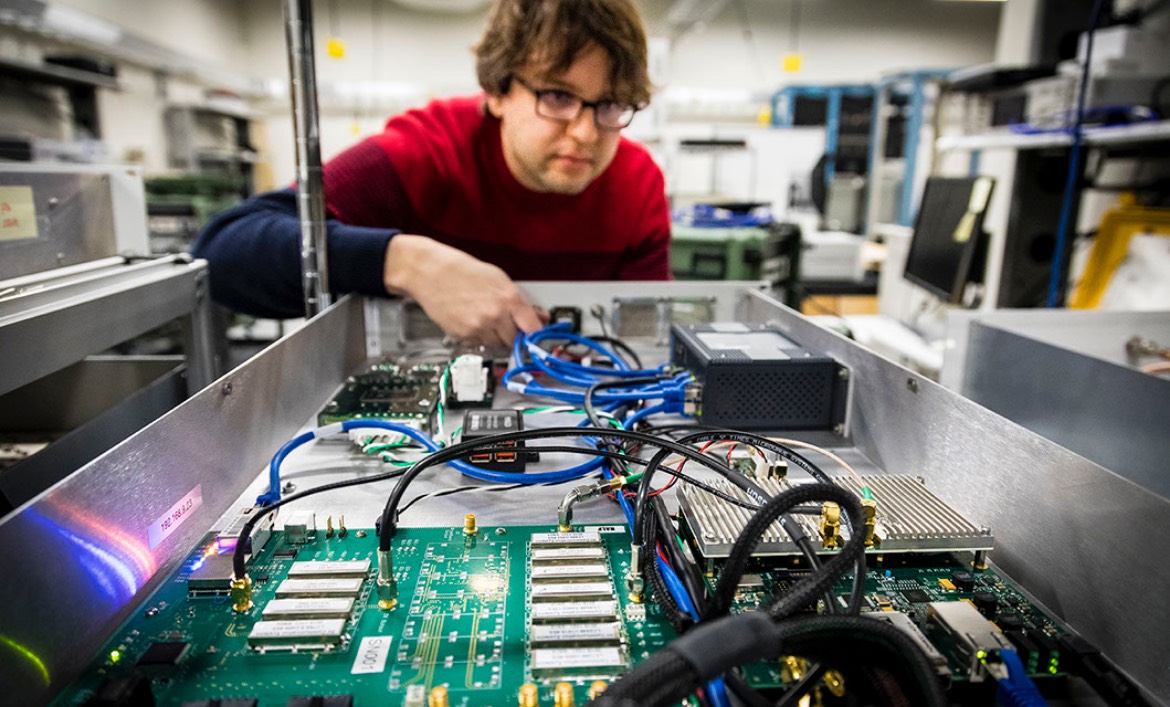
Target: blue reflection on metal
column 114, row 575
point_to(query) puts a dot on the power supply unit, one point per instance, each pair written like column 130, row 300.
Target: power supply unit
column 755, row 378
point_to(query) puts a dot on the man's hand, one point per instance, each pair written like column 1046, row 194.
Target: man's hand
column 468, row 298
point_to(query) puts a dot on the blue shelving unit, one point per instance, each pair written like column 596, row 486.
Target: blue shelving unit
column 913, row 86
column 784, row 112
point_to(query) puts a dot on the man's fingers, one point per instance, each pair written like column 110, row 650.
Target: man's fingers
column 526, row 317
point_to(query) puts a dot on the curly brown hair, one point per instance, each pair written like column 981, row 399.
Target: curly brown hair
column 554, row 33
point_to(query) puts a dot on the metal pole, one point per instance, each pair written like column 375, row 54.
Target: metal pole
column 298, row 15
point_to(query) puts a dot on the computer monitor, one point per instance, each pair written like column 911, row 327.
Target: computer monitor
column 948, row 247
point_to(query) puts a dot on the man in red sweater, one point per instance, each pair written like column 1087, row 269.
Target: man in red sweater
column 451, row 202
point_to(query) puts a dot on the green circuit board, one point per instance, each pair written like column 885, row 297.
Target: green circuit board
column 389, row 392
column 465, row 620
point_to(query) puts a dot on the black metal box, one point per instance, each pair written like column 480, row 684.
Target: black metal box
column 755, row 378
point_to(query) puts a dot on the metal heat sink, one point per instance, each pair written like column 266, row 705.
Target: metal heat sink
column 909, row 519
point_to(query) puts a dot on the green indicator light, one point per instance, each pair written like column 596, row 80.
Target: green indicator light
column 1052, row 670
column 981, row 655
column 115, row 656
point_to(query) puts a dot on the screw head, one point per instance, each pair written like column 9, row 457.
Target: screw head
column 839, row 429
column 912, row 385
column 843, row 374
column 501, row 531
column 54, row 202
column 227, row 388
column 288, row 487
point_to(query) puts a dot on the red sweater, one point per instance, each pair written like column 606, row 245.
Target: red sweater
column 439, row 171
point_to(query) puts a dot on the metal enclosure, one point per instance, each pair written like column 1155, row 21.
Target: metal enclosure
column 79, row 558
column 68, row 214
column 1066, row 375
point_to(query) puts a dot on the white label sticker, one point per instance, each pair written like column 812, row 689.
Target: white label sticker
column 606, row 528
column 172, row 519
column 18, row 213
column 371, row 655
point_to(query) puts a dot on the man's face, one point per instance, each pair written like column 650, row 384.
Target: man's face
column 549, row 155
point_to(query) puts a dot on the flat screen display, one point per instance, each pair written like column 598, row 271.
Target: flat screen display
column 948, row 235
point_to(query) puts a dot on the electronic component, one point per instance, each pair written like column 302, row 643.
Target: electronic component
column 329, row 568
column 609, row 632
column 986, row 602
column 756, row 378
column 483, row 423
column 904, row 623
column 976, row 637
column 227, row 538
column 574, row 611
column 571, row 590
column 298, row 633
column 600, row 660
column 163, row 654
column 915, row 596
column 388, row 392
column 566, row 315
column 122, row 691
column 567, row 554
column 963, row 580
column 321, row 701
column 212, row 574
column 315, row 608
column 471, row 612
column 299, row 526
column 909, row 518
column 562, row 572
column 319, row 588
column 574, row 538
column 470, row 381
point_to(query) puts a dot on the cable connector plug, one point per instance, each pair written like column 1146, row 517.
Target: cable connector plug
column 583, row 493
column 241, row 593
column 387, row 586
column 634, row 581
column 693, row 399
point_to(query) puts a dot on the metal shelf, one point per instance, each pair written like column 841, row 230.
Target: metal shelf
column 1129, row 134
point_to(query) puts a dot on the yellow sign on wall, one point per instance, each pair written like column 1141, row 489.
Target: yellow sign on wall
column 18, row 213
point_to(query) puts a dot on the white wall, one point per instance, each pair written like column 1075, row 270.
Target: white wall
column 840, row 40
column 210, row 30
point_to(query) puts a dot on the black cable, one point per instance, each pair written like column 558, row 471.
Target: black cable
column 461, row 489
column 797, row 690
column 239, row 566
column 591, row 412
column 686, row 570
column 634, row 360
column 851, row 644
column 857, row 593
column 816, row 583
column 390, row 512
column 745, row 692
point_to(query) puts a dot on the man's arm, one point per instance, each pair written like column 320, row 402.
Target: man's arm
column 254, row 257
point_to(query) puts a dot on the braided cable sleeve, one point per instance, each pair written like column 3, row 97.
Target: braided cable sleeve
column 663, row 678
column 817, row 583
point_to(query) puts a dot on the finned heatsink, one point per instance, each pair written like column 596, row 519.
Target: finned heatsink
column 909, row 519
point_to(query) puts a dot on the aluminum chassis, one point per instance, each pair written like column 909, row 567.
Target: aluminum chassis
column 1069, row 531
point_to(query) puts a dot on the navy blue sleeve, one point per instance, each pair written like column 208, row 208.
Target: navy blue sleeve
column 254, row 257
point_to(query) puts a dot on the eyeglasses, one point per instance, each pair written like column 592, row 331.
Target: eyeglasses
column 555, row 104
